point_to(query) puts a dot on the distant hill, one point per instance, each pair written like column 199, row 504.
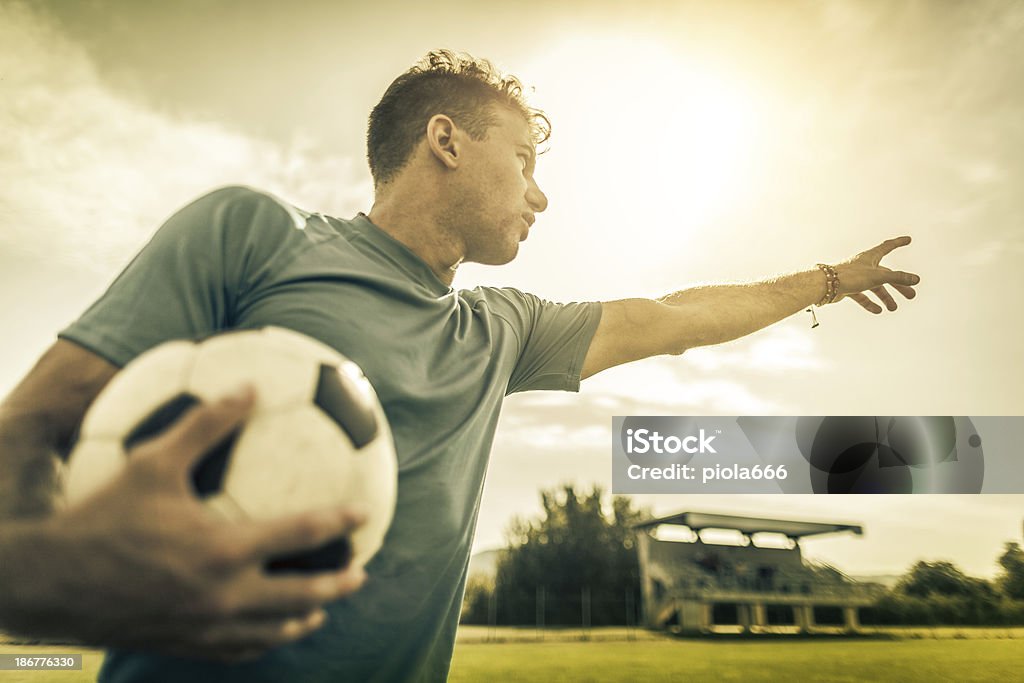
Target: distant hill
column 887, row 580
column 484, row 563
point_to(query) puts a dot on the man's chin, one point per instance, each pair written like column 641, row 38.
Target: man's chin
column 501, row 259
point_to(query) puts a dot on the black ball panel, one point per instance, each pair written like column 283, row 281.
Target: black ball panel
column 332, row 555
column 208, row 473
column 159, row 419
column 346, row 405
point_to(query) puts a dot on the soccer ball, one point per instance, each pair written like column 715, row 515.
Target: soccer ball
column 317, row 435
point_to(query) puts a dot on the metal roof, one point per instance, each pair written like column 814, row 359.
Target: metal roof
column 749, row 525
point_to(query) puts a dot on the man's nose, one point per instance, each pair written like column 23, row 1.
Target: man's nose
column 537, row 200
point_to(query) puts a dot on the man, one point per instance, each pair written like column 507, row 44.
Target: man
column 451, row 147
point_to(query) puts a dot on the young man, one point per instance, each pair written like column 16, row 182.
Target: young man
column 451, row 147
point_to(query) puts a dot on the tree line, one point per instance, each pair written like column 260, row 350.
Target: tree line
column 938, row 593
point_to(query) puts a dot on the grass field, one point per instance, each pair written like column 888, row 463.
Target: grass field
column 948, row 654
column 856, row 661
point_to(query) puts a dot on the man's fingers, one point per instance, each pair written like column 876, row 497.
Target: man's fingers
column 907, row 292
column 203, row 427
column 295, row 533
column 886, row 298
column 259, row 593
column 866, row 303
column 298, row 593
column 248, row 639
column 899, row 277
column 230, row 639
column 889, row 245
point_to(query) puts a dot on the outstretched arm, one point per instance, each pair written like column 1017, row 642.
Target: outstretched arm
column 632, row 329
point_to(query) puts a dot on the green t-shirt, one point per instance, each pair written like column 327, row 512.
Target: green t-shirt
column 441, row 361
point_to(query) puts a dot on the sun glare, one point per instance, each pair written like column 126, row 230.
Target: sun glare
column 641, row 130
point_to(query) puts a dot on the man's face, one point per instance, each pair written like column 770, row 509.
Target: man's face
column 498, row 198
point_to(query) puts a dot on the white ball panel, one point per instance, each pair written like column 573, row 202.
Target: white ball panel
column 94, row 463
column 288, row 462
column 141, row 386
column 281, row 379
column 300, row 460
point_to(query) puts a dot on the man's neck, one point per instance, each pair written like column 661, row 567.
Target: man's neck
column 415, row 224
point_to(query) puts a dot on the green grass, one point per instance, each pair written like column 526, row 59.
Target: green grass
column 944, row 654
column 856, row 661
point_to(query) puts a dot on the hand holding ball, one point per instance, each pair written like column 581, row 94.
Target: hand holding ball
column 317, row 436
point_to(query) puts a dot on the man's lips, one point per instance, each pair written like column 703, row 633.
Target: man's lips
column 529, row 219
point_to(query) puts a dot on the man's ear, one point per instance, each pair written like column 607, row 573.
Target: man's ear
column 444, row 140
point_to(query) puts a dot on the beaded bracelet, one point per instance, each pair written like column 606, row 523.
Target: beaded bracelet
column 831, row 284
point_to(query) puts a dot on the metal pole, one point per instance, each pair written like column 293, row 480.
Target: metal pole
column 540, row 612
column 629, row 614
column 492, row 613
column 585, row 606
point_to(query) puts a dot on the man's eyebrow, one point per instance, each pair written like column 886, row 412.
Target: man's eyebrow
column 529, row 148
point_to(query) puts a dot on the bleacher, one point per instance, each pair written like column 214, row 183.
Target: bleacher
column 686, row 581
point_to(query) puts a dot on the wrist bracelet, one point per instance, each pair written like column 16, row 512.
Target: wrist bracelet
column 831, row 284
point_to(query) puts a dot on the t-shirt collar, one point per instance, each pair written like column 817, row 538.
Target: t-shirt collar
column 403, row 255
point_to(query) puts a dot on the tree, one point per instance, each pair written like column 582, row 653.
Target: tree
column 1011, row 581
column 573, row 549
column 947, row 596
column 943, row 578
column 476, row 601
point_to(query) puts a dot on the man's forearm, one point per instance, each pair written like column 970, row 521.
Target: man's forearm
column 26, row 554
column 719, row 313
column 28, row 470
column 38, row 421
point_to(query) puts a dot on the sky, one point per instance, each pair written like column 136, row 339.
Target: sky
column 693, row 143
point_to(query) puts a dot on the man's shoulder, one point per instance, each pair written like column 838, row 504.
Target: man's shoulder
column 512, row 298
column 516, row 308
column 228, row 195
column 242, row 212
column 499, row 298
column 249, row 199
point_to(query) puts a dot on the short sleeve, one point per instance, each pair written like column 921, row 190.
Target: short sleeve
column 554, row 340
column 187, row 281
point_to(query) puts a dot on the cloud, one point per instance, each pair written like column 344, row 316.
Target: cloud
column 669, row 386
column 775, row 350
column 988, row 252
column 88, row 175
column 571, row 434
column 732, row 380
column 982, row 172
